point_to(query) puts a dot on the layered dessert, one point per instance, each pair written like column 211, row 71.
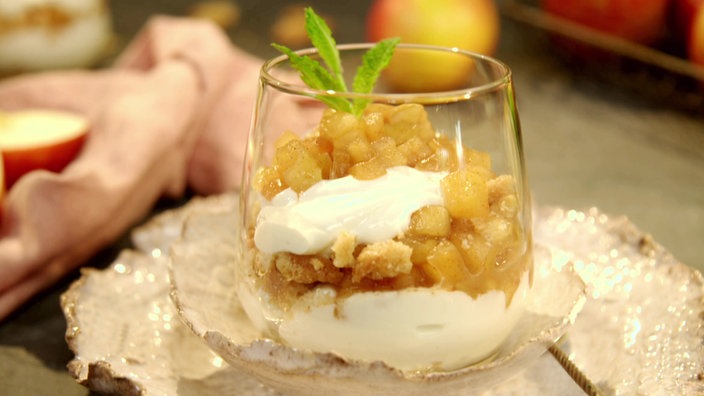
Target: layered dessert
column 379, row 239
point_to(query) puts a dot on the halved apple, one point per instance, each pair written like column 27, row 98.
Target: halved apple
column 39, row 139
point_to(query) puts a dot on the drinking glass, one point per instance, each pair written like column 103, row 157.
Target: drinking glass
column 401, row 234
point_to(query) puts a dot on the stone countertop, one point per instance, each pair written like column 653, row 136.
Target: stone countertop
column 588, row 142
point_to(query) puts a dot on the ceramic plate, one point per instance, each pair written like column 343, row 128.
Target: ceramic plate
column 640, row 329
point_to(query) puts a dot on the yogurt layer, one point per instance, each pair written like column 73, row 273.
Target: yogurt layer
column 411, row 329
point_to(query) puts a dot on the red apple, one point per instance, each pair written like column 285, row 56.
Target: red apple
column 471, row 25
column 39, row 139
column 696, row 38
column 640, row 21
column 682, row 19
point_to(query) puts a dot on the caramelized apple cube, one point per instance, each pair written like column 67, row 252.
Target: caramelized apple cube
column 406, row 121
column 285, row 138
column 268, row 182
column 320, row 149
column 360, row 150
column 421, row 249
column 335, row 124
column 445, row 265
column 415, row 150
column 368, row 170
column 476, row 158
column 289, row 153
column 341, row 163
column 386, row 151
column 477, row 252
column 302, row 174
column 373, row 125
column 465, row 194
column 433, row 220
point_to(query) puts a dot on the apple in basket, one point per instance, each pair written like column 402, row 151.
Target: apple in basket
column 471, row 25
column 39, row 139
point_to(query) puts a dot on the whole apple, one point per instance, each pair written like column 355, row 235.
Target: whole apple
column 39, row 139
column 639, row 21
column 471, row 25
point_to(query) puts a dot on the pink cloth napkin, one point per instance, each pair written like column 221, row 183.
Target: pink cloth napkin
column 173, row 112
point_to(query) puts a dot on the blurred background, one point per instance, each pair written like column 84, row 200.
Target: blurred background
column 612, row 115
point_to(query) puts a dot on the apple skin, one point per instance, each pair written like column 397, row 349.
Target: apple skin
column 471, row 25
column 640, row 21
column 26, row 148
column 682, row 19
column 695, row 50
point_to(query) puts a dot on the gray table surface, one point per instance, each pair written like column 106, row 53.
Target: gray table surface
column 588, row 143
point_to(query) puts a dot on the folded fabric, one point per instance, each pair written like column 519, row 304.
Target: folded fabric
column 172, row 112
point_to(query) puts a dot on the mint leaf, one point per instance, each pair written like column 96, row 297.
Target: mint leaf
column 316, row 77
column 373, row 62
column 321, row 38
column 320, row 78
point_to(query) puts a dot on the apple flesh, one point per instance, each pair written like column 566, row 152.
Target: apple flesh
column 39, row 139
column 471, row 25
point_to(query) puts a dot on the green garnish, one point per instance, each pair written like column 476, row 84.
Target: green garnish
column 329, row 77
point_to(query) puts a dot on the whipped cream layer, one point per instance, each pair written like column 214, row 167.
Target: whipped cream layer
column 372, row 210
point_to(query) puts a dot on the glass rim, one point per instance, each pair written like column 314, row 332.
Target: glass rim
column 504, row 77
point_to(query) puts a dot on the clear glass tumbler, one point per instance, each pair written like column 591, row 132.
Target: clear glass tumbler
column 399, row 235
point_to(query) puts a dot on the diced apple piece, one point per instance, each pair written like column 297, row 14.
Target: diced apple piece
column 433, row 220
column 373, row 125
column 421, row 249
column 465, row 194
column 288, row 154
column 335, row 124
column 415, row 150
column 302, row 174
column 445, row 265
column 297, row 166
column 360, row 150
column 285, row 138
column 341, row 163
column 385, row 149
column 268, row 182
column 473, row 251
column 321, row 149
column 368, row 170
column 476, row 158
column 39, row 139
column 406, row 121
column 477, row 252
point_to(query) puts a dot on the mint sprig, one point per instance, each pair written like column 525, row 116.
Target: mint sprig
column 330, row 77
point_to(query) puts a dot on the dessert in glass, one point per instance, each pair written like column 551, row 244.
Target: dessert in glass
column 397, row 232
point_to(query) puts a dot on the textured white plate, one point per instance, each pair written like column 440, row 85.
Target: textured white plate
column 640, row 330
column 203, row 281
